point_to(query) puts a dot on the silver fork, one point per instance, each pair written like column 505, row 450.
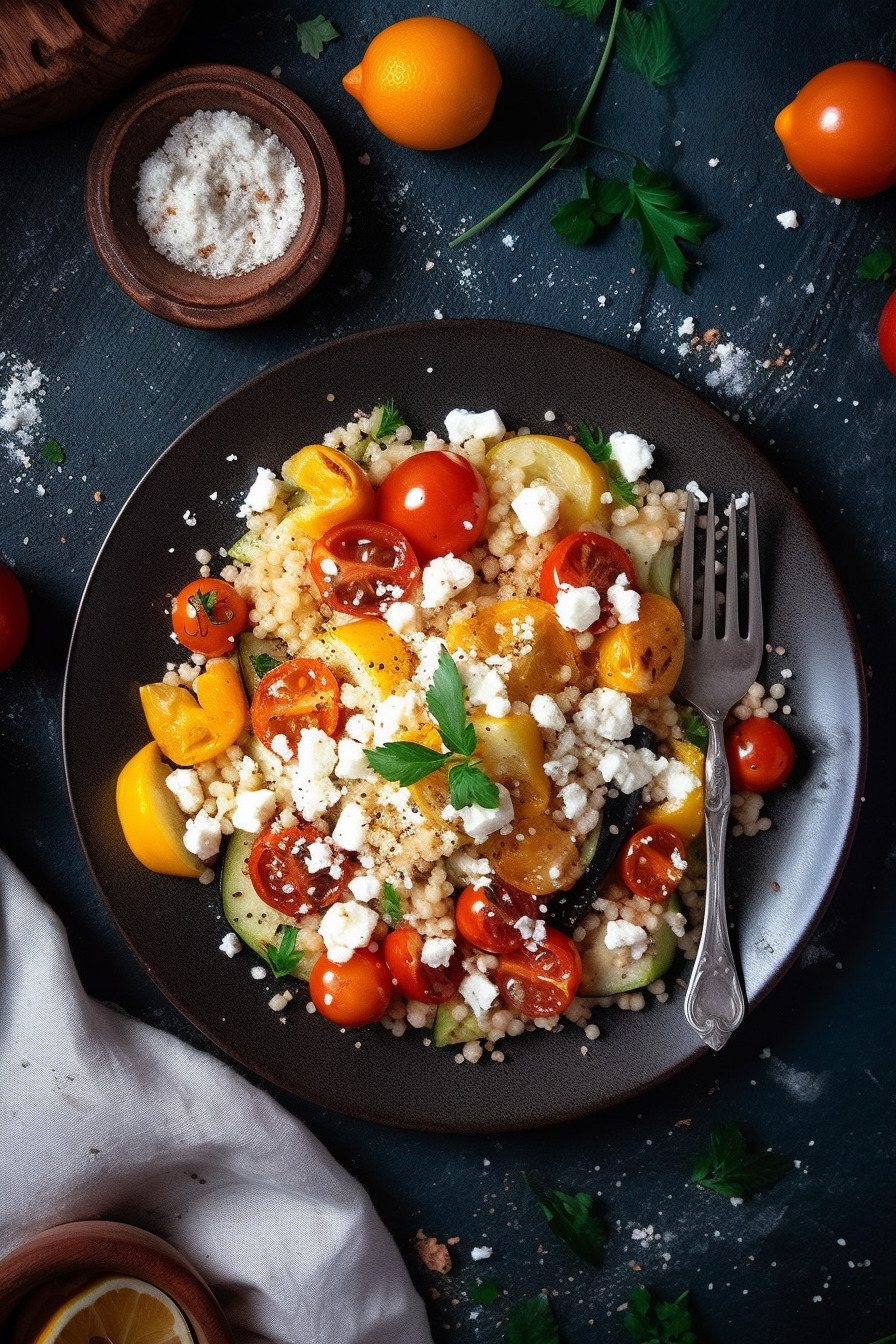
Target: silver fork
column 717, row 672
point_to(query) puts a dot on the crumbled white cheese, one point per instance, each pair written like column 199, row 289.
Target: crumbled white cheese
column 547, row 713
column 202, row 836
column 574, row 800
column 534, row 931
column 577, row 608
column 484, row 682
column 478, row 992
column 187, row 789
column 602, row 715
column 401, row 617
column 313, row 790
column 632, row 454
column 694, row 489
column 676, row 921
column 397, row 714
column 485, row 425
column 625, row 600
column 687, row 327
column 620, row 933
column 437, row 951
column 262, row 494
column 359, row 729
column 365, row 888
column 679, row 862
column 254, row 809
column 481, row 822
column 627, row 768
column 350, row 830
column 346, row 926
column 351, row 762
column 788, row 219
column 538, row 509
column 481, row 1253
column 443, row 578
column 230, row 945
column 319, row 855
column 676, row 780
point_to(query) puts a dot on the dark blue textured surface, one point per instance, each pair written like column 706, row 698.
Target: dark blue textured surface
column 811, row 1072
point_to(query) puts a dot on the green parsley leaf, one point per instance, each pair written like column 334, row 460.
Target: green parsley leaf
column 580, row 9
column 314, row 34
column 657, row 207
column 878, row 265
column 729, row 1169
column 598, row 449
column 693, row 19
column 445, row 702
column 405, row 762
column 52, row 451
column 602, row 200
column 390, row 905
column 651, row 1320
column 694, row 727
column 262, row 663
column 468, row 783
column 485, row 1292
column 390, row 419
column 283, row 959
column 601, row 450
column 532, row 1322
column 205, row 602
column 647, row 44
column 573, row 1219
column 623, row 491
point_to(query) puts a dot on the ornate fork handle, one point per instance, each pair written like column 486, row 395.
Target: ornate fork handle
column 714, row 1004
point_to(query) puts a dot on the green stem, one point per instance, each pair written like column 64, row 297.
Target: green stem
column 560, row 152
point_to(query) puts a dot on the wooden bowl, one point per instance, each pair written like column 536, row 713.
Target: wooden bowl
column 140, row 126
column 56, row 1262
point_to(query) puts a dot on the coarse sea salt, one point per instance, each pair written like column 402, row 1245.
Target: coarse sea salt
column 221, row 196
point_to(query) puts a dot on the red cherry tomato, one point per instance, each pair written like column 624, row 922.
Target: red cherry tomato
column 653, row 862
column 487, row 916
column 540, row 983
column 586, row 560
column 13, row 617
column 362, row 567
column 279, row 870
column 886, row 333
column 426, row 984
column 208, row 615
column 300, row 693
column 438, row 500
column 760, row 755
column 353, row 993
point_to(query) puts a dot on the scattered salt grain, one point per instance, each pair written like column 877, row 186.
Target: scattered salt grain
column 713, row 163
column 481, row 1253
column 732, row 370
column 20, row 399
column 788, row 219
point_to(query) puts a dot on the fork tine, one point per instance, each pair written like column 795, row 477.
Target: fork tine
column 686, row 571
column 754, row 594
column 709, row 573
column 732, row 620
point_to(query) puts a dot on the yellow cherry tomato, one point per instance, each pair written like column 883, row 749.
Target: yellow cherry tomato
column 642, row 657
column 331, row 489
column 370, row 654
column 544, row 657
column 152, row 822
column 192, row 728
column 537, row 856
column 579, row 483
column 684, row 815
column 512, row 754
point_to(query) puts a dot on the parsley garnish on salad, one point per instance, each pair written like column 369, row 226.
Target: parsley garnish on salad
column 693, row 725
column 390, row 419
column 600, row 450
column 729, row 1169
column 532, row 1322
column 390, row 905
column 573, row 1219
column 406, row 763
column 262, row 663
column 284, row 958
column 651, row 1320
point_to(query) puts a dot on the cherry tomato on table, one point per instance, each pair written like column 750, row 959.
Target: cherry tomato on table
column 362, row 567
column 438, row 500
column 300, row 693
column 540, row 983
column 760, row 755
column 207, row 615
column 487, row 917
column 653, row 862
column 586, row 560
column 278, row 870
column 353, row 993
column 13, row 617
column 425, row 984
column 886, row 333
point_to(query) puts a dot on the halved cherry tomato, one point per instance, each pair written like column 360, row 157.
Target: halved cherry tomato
column 487, row 917
column 300, row 693
column 279, row 869
column 886, row 333
column 653, row 862
column 586, row 560
column 13, row 617
column 353, row 993
column 540, row 983
column 425, row 984
column 438, row 500
column 361, row 568
column 207, row 615
column 760, row 755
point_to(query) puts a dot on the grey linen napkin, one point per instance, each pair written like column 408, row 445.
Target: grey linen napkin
column 104, row 1116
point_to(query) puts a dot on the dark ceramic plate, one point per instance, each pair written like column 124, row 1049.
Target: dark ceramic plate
column 780, row 882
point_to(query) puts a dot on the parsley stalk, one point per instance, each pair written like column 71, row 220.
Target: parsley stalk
column 561, row 147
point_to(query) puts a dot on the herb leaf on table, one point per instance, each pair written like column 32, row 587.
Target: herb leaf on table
column 485, row 1292
column 654, row 42
column 314, row 34
column 532, row 1322
column 573, row 1219
column 651, row 1320
column 657, row 207
column 581, row 9
column 878, row 265
column 729, row 1169
column 52, row 451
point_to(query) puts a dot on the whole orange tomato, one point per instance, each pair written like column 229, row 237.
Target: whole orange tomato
column 839, row 133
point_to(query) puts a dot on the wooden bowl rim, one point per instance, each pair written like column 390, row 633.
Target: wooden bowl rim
column 201, row 301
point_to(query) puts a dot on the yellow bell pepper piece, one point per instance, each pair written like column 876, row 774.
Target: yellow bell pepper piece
column 332, row 489
column 192, row 728
column 152, row 822
column 370, row 654
column 686, row 814
column 512, row 754
column 525, row 630
column 642, row 657
column 579, row 483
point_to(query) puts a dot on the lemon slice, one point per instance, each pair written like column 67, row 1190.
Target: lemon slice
column 370, row 654
column 117, row 1310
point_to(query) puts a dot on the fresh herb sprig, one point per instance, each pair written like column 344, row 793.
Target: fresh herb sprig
column 651, row 1320
column 601, row 450
column 262, row 663
column 314, row 34
column 406, row 763
column 532, row 1322
column 573, row 1218
column 390, row 419
column 730, row 1169
column 53, row 452
column 285, row 957
column 878, row 265
column 693, row 725
column 485, row 1292
column 390, row 905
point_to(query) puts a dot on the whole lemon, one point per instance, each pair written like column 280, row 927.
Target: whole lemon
column 427, row 83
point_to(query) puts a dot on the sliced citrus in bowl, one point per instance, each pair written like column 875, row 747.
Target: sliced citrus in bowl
column 120, row 1310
